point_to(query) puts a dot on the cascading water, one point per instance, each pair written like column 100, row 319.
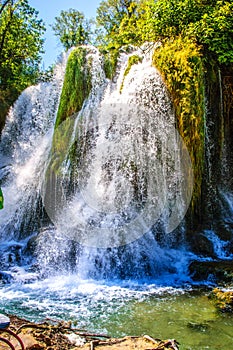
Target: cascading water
column 24, row 147
column 132, row 183
column 115, row 200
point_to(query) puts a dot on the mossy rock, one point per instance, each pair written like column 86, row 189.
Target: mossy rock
column 223, row 300
column 180, row 63
column 77, row 85
column 110, row 62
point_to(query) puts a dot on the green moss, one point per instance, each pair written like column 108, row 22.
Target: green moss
column 110, row 62
column 180, row 64
column 76, row 87
column 134, row 59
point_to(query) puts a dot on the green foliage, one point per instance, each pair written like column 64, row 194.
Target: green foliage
column 72, row 28
column 20, row 49
column 215, row 31
column 170, row 18
column 180, row 64
column 134, row 59
column 133, row 26
column 110, row 14
column 76, row 87
column 207, row 22
column 110, row 62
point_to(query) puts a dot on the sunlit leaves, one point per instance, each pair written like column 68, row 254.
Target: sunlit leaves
column 209, row 23
column 72, row 29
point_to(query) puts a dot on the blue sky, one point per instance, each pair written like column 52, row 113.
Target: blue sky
column 48, row 10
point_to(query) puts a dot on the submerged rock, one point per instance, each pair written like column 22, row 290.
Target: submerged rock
column 199, row 327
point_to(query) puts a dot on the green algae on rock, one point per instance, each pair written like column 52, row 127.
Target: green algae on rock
column 180, row 64
column 223, row 300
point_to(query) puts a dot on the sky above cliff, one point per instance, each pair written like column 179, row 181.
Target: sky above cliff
column 48, row 10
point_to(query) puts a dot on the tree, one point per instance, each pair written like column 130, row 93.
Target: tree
column 72, row 28
column 215, row 31
column 21, row 46
column 208, row 22
column 110, row 14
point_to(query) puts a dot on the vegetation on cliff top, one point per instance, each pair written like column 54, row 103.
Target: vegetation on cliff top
column 21, row 46
column 208, row 23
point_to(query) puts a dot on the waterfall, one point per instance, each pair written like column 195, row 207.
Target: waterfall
column 114, row 204
column 24, row 149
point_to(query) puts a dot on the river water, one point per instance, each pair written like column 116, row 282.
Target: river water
column 122, row 308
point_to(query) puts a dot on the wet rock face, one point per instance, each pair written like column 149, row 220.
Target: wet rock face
column 10, row 255
column 223, row 300
column 217, row 271
column 225, row 232
column 229, row 247
column 201, row 245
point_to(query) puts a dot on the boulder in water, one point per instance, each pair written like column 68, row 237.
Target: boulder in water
column 225, row 232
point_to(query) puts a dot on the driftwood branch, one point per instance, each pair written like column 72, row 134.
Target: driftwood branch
column 58, row 333
column 90, row 334
column 155, row 341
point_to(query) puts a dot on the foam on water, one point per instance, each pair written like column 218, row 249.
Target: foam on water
column 68, row 297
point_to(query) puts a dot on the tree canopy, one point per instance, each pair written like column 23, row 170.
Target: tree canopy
column 110, row 15
column 21, row 46
column 209, row 23
column 72, row 29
